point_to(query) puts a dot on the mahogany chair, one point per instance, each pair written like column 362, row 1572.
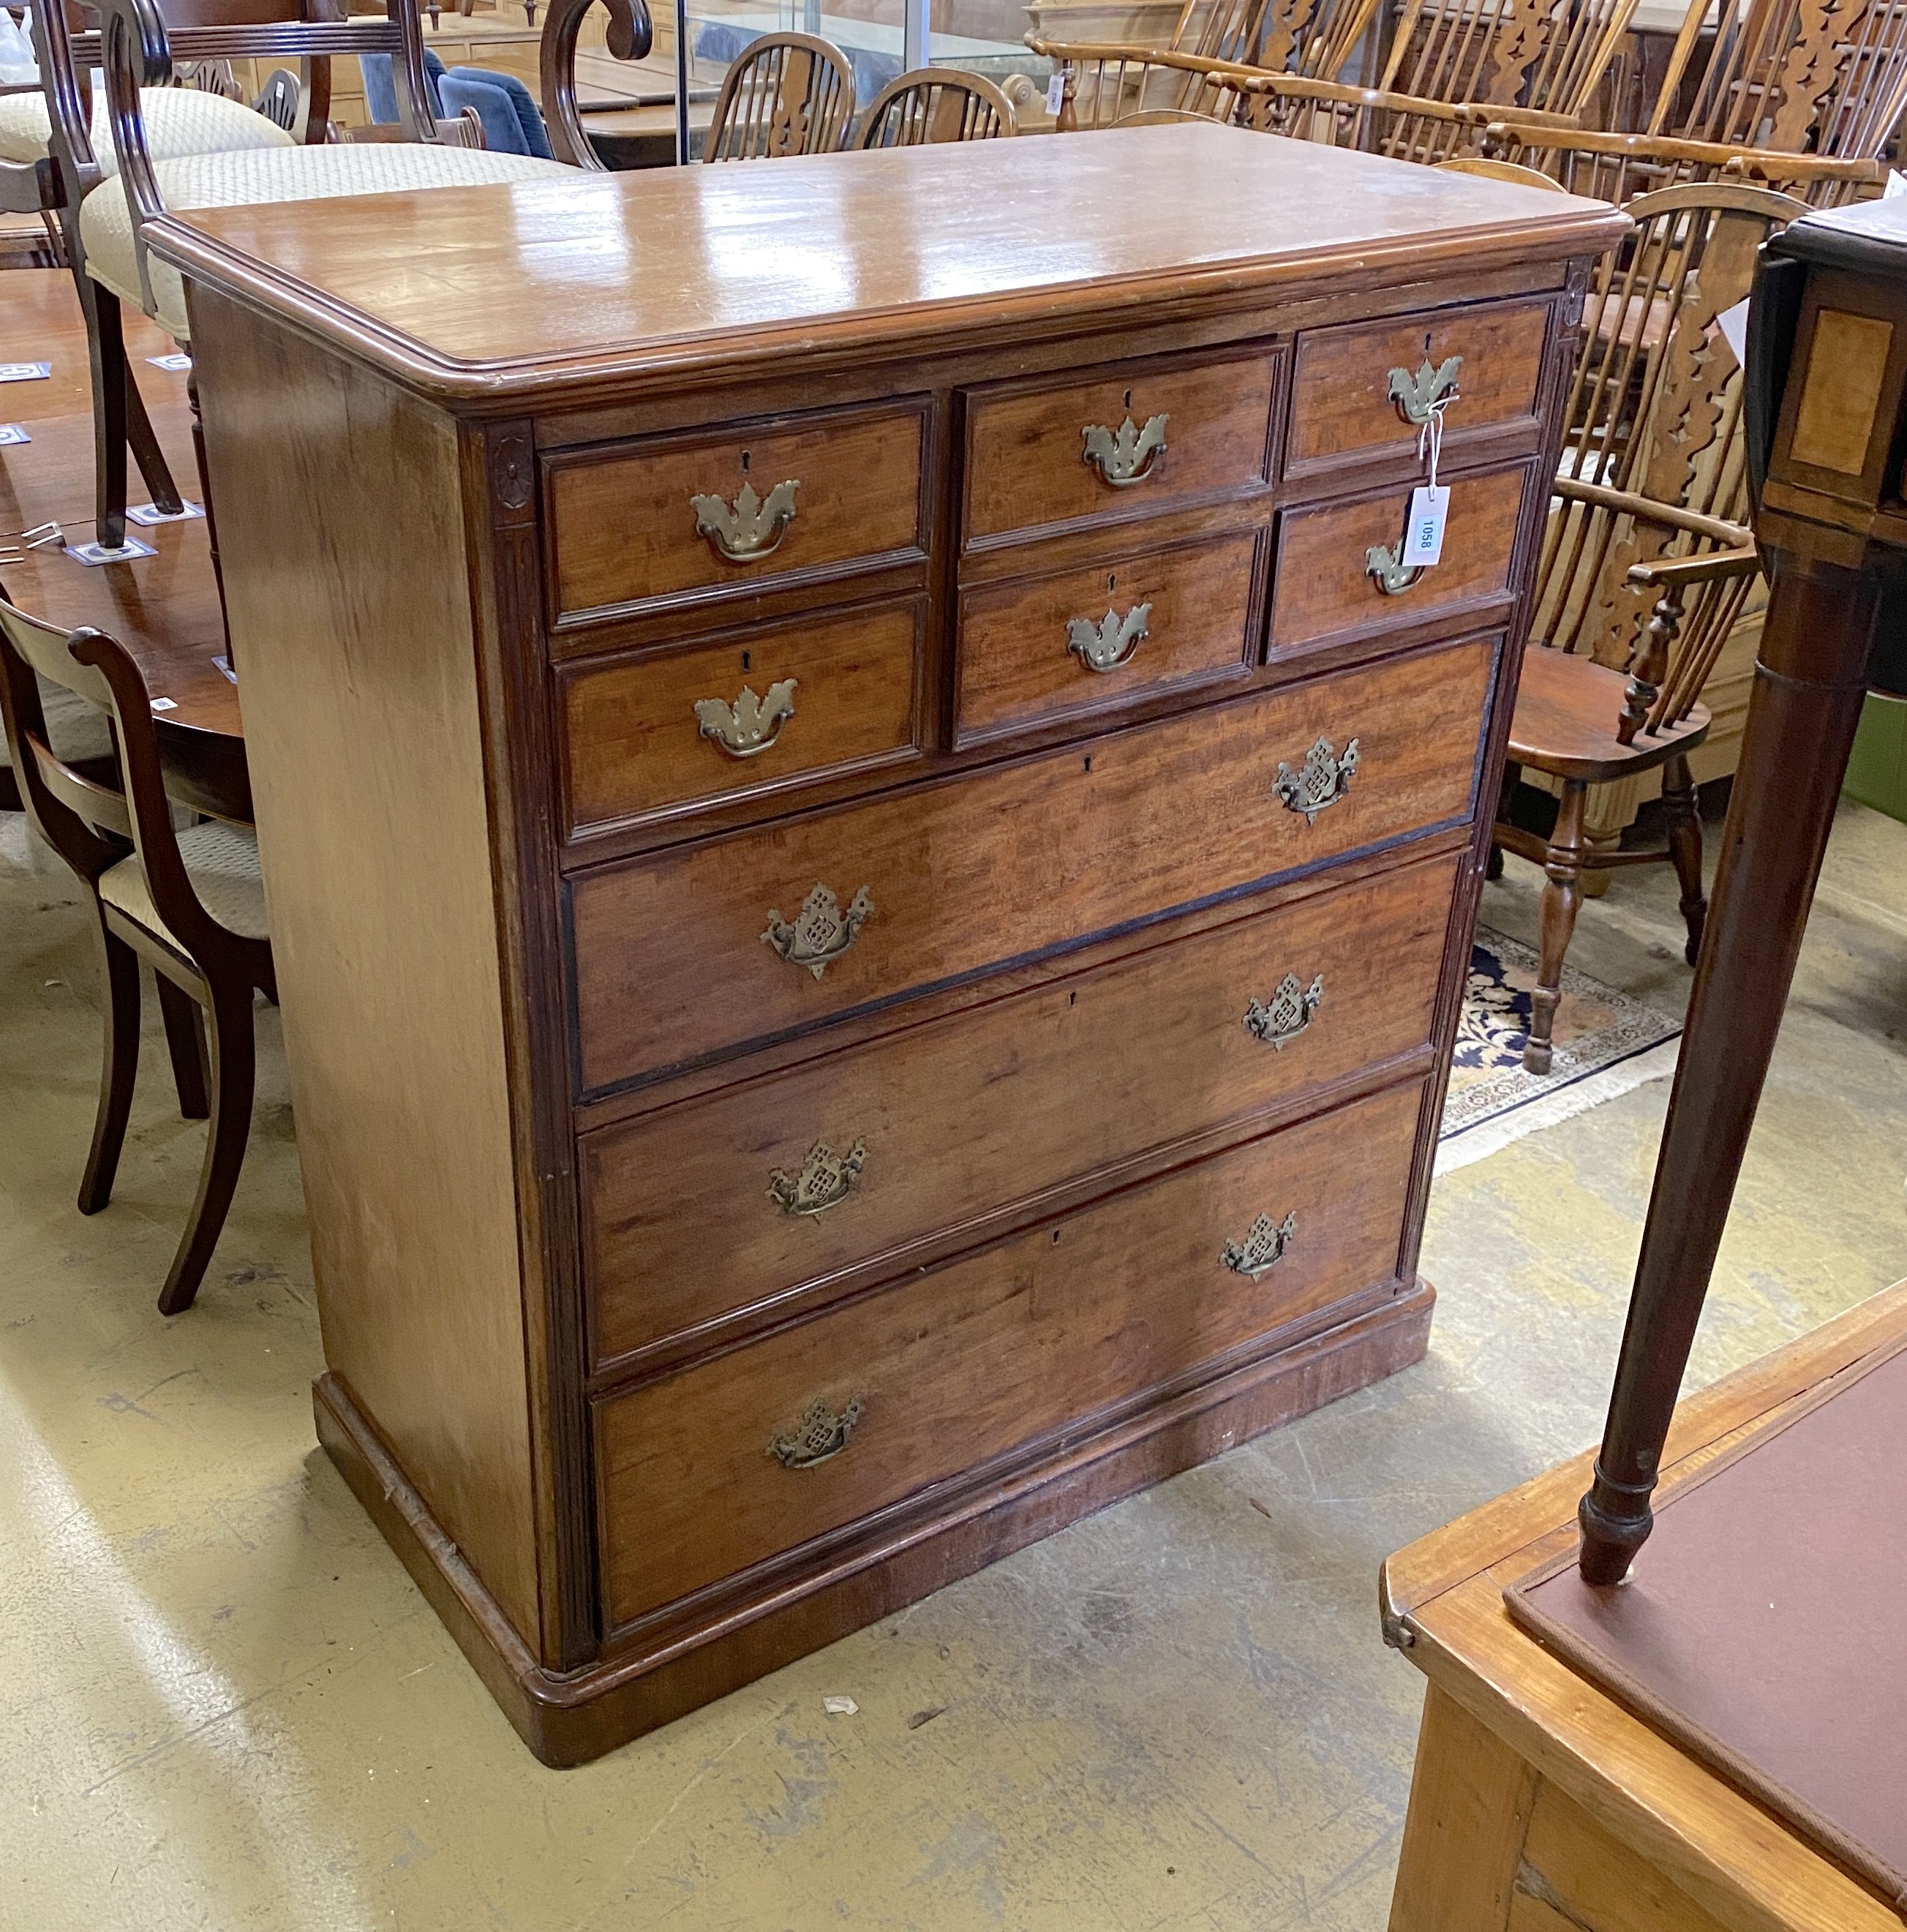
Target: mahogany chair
column 1647, row 560
column 189, row 904
column 783, row 93
column 1793, row 93
column 936, row 103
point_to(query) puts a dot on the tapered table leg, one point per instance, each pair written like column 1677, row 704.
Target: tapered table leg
column 1809, row 682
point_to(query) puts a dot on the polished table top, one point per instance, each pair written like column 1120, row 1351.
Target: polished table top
column 478, row 295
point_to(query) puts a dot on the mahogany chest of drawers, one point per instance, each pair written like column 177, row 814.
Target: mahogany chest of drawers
column 871, row 857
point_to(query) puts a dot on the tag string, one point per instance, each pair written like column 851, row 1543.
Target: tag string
column 1430, row 436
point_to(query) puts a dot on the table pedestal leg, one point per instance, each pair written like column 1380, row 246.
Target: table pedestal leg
column 1794, row 751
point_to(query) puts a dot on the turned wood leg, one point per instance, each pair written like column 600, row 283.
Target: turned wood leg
column 1809, row 685
column 105, row 347
column 118, row 1068
column 185, row 1040
column 1684, row 817
column 1562, row 895
column 229, row 1127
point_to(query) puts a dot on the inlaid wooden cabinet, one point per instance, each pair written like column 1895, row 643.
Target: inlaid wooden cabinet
column 870, row 874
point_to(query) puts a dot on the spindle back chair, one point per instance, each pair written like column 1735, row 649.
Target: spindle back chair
column 783, row 93
column 934, row 104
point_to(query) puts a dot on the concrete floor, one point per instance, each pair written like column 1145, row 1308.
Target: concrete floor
column 222, row 1704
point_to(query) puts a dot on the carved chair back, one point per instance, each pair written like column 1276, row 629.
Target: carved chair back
column 1106, row 87
column 1307, row 36
column 1548, row 55
column 936, row 103
column 1802, row 94
column 1652, row 470
column 783, row 93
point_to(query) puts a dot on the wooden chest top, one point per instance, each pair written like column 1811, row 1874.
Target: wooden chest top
column 483, row 296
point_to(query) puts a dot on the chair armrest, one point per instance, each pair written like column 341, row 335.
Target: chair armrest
column 1684, row 573
column 135, row 52
column 631, row 34
column 1485, row 114
column 1530, row 131
column 1648, row 510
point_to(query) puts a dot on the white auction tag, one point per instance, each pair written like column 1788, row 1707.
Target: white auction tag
column 1733, row 322
column 177, row 363
column 25, row 372
column 1894, row 186
column 1423, row 540
column 11, row 434
column 165, row 704
column 1056, row 94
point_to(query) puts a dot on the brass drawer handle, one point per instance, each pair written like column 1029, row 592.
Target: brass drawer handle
column 1125, row 455
column 822, row 932
column 751, row 526
column 1416, row 397
column 1320, row 782
column 751, row 724
column 1279, row 1020
column 826, row 1180
column 1385, row 562
column 821, row 1434
column 1110, row 643
column 1262, row 1249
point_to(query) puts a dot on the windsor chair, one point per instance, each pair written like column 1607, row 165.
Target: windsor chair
column 1646, row 560
column 785, row 94
column 936, row 103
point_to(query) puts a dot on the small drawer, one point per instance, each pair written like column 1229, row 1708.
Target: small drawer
column 1329, row 582
column 1045, row 648
column 1360, row 392
column 1124, row 443
column 763, row 710
column 778, row 1187
column 703, row 950
column 732, row 511
column 762, row 1450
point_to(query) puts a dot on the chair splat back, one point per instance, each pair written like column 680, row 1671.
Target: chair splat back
column 937, row 103
column 783, row 93
column 1653, row 472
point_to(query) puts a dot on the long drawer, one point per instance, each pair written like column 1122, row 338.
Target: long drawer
column 767, row 1190
column 758, row 1451
column 681, row 956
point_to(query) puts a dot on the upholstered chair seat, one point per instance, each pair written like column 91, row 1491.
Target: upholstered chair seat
column 221, row 861
column 178, row 120
column 273, row 174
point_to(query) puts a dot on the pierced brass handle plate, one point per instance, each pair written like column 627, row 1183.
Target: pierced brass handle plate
column 1109, row 644
column 821, row 931
column 820, row 1436
column 750, row 725
column 1127, row 454
column 1416, row 397
column 826, row 1180
column 1319, row 782
column 1279, row 1020
column 1385, row 562
column 1263, row 1248
column 750, row 527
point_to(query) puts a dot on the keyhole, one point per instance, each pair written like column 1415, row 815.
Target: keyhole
column 747, row 660
column 1112, row 583
column 1089, row 761
column 745, row 453
column 1129, row 399
column 1426, row 345
column 1072, row 999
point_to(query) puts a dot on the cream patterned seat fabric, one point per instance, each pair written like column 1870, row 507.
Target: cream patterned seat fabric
column 272, row 175
column 179, row 121
column 222, row 863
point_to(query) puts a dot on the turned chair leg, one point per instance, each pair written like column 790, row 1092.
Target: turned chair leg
column 146, row 452
column 119, row 1069
column 185, row 1041
column 106, row 348
column 230, row 1027
column 1562, row 896
column 1684, row 818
